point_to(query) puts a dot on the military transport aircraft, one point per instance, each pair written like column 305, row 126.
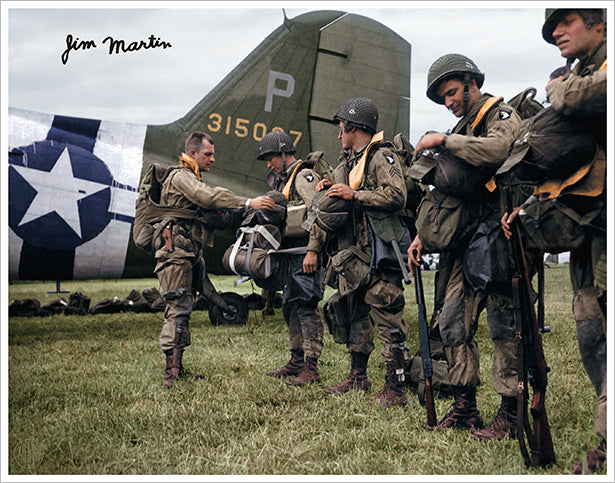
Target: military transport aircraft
column 73, row 182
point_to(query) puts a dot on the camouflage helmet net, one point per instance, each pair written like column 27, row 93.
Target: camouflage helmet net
column 359, row 111
column 275, row 142
column 449, row 65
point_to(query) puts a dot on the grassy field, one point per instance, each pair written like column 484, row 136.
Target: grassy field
column 85, row 397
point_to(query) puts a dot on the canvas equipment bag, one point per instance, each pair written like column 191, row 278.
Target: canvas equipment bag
column 24, row 308
column 251, row 254
column 107, row 306
column 549, row 145
column 440, row 383
column 444, row 220
column 78, row 304
column 354, row 266
column 54, row 308
column 154, row 299
column 554, row 227
column 135, row 302
column 485, row 261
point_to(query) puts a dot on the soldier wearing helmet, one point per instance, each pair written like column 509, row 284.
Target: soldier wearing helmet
column 370, row 175
column 482, row 137
column 302, row 291
column 580, row 92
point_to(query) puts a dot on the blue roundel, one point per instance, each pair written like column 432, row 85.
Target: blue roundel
column 59, row 194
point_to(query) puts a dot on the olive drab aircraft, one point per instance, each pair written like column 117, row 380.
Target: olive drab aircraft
column 73, row 182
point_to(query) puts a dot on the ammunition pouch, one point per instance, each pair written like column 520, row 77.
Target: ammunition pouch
column 353, row 265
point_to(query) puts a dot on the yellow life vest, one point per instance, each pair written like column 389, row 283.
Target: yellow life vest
column 356, row 174
column 190, row 164
column 289, row 183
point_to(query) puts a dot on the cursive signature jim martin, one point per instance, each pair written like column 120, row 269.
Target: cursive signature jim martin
column 116, row 46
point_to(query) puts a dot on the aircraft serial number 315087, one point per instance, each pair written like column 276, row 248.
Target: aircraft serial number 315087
column 73, row 182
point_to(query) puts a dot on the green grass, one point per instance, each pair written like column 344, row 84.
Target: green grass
column 85, row 396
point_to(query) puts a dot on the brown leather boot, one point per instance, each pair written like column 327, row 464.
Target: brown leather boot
column 463, row 413
column 292, row 367
column 308, row 374
column 171, row 370
column 393, row 391
column 594, row 461
column 357, row 379
column 504, row 424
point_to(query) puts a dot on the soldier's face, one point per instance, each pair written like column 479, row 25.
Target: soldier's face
column 451, row 92
column 205, row 156
column 573, row 39
column 275, row 163
column 347, row 138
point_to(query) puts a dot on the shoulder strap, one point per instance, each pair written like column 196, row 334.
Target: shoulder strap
column 356, row 174
column 489, row 103
column 289, row 183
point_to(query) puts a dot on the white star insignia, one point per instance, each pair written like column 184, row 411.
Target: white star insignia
column 57, row 191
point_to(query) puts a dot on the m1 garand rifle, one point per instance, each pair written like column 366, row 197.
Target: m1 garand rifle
column 533, row 368
column 425, row 348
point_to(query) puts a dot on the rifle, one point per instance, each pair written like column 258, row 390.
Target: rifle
column 533, row 368
column 425, row 349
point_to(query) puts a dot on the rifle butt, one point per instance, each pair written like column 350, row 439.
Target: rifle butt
column 542, row 433
column 429, row 403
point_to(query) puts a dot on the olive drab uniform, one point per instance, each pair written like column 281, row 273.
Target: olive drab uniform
column 302, row 291
column 485, row 145
column 381, row 195
column 182, row 269
column 583, row 94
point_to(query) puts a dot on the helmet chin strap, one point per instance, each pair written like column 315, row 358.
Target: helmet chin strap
column 283, row 162
column 466, row 93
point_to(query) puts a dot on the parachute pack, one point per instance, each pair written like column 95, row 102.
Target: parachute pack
column 258, row 239
column 151, row 214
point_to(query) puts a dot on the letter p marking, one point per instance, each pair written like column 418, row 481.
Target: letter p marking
column 272, row 90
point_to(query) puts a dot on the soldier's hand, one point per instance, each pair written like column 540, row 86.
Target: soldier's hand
column 322, row 184
column 414, row 252
column 341, row 191
column 561, row 73
column 429, row 140
column 507, row 221
column 262, row 203
column 310, row 262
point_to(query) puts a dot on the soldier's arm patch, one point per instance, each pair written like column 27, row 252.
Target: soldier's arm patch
column 505, row 113
column 389, row 157
column 309, row 177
